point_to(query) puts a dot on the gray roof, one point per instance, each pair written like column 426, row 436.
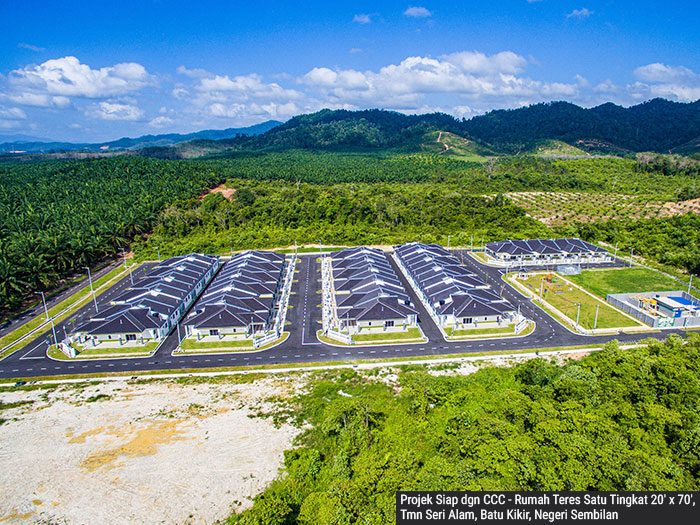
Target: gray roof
column 244, row 290
column 152, row 298
column 447, row 284
column 367, row 288
column 565, row 246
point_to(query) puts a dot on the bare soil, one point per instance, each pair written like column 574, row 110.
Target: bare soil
column 159, row 452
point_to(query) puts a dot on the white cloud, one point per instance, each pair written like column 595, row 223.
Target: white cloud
column 40, row 100
column 362, row 19
column 193, row 73
column 580, row 13
column 661, row 80
column 468, row 74
column 68, row 77
column 31, row 47
column 417, row 12
column 354, row 50
column 160, row 122
column 12, row 113
column 115, row 111
column 243, row 87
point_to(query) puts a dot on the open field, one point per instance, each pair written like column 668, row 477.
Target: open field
column 185, row 451
column 557, row 208
column 510, row 329
column 566, row 298
column 624, row 280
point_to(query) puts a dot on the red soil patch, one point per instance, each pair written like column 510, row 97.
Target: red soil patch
column 225, row 192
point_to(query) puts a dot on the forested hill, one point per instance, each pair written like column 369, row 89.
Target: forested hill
column 657, row 125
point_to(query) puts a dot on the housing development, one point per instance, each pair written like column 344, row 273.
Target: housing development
column 415, row 297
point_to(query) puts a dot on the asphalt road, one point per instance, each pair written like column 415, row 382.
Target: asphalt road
column 303, row 319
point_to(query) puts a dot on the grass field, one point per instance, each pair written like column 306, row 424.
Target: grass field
column 192, row 344
column 411, row 333
column 106, row 353
column 565, row 298
column 625, row 280
column 510, row 329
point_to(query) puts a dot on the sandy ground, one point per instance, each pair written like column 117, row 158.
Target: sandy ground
column 158, row 452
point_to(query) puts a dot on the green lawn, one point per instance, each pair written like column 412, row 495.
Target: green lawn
column 625, row 280
column 510, row 329
column 566, row 300
column 105, row 353
column 75, row 301
column 411, row 333
column 192, row 344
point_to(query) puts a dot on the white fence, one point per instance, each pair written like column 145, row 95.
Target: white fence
column 339, row 336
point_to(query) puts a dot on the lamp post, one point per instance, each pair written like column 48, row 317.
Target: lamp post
column 448, row 241
column 46, row 310
column 124, row 255
column 690, row 283
column 320, row 246
column 158, row 252
column 92, row 290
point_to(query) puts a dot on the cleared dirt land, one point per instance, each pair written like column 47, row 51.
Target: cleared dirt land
column 158, row 452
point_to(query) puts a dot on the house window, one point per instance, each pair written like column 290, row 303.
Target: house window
column 388, row 324
column 131, row 337
column 467, row 320
column 213, row 332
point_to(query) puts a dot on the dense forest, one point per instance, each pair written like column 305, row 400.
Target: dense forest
column 270, row 214
column 674, row 241
column 614, row 420
column 57, row 217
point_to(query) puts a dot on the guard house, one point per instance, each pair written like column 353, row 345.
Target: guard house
column 241, row 299
column 455, row 295
column 154, row 304
column 546, row 251
column 367, row 294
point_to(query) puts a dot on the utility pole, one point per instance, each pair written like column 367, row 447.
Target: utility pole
column 690, row 283
column 46, row 310
column 482, row 243
column 595, row 324
column 124, row 254
column 320, row 247
column 91, row 288
column 541, row 289
column 631, row 255
column 448, row 241
column 578, row 313
column 615, row 256
column 471, row 243
column 158, row 251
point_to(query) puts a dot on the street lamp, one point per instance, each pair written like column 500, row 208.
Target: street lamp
column 448, row 241
column 320, row 247
column 158, row 251
column 91, row 288
column 124, row 254
column 46, row 310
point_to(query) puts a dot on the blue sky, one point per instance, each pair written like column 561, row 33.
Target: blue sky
column 71, row 72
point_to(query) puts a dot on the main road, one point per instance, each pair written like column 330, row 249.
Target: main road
column 302, row 345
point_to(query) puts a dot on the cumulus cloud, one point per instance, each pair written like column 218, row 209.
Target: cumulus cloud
column 661, row 80
column 362, row 19
column 160, row 122
column 417, row 12
column 116, row 111
column 68, row 77
column 12, row 113
column 193, row 73
column 580, row 13
column 40, row 100
column 467, row 74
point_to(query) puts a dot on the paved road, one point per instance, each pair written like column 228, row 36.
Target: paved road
column 303, row 346
column 29, row 314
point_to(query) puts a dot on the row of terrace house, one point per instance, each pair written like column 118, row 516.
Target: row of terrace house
column 546, row 251
column 366, row 294
column 153, row 305
column 241, row 300
column 453, row 295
